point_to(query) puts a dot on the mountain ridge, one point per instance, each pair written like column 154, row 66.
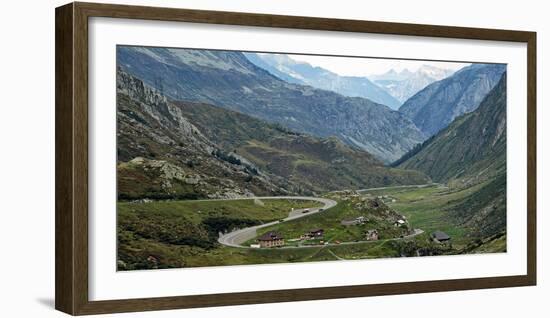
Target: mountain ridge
column 470, row 145
column 435, row 106
column 251, row 90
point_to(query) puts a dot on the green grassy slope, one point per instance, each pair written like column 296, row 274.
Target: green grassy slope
column 428, row 208
column 492, row 244
column 465, row 213
column 485, row 209
column 165, row 229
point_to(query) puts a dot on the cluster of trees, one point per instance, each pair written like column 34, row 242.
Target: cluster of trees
column 229, row 157
column 157, row 228
column 215, row 225
column 138, row 235
column 226, row 157
column 179, row 231
column 279, row 127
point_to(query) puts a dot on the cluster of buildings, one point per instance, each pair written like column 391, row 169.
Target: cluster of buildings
column 274, row 239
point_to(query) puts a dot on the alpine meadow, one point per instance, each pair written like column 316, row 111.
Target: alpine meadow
column 236, row 158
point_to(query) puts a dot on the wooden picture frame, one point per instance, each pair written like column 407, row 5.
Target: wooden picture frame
column 71, row 90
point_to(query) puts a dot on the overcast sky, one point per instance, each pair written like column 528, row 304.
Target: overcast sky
column 359, row 66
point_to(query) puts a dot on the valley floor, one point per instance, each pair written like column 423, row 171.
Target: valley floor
column 171, row 234
column 425, row 207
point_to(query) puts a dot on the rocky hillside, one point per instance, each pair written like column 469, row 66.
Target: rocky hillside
column 485, row 210
column 303, row 73
column 192, row 150
column 471, row 153
column 473, row 146
column 162, row 155
column 437, row 105
column 228, row 79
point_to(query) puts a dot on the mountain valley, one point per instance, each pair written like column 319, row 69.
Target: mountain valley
column 235, row 158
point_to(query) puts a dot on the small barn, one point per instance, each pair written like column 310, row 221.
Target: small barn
column 440, row 236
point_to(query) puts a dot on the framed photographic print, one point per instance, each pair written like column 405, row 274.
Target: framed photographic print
column 219, row 158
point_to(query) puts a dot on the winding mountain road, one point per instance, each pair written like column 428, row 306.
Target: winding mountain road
column 236, row 238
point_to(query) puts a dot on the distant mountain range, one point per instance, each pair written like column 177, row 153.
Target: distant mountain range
column 303, row 73
column 471, row 151
column 184, row 150
column 228, row 79
column 435, row 107
column 403, row 85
